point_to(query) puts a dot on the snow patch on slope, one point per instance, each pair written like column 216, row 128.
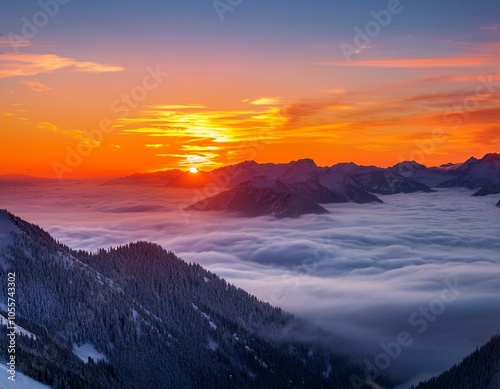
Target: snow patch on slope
column 210, row 322
column 88, row 350
column 212, row 344
column 19, row 330
column 328, row 370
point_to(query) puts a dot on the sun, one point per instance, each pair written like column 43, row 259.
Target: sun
column 193, row 170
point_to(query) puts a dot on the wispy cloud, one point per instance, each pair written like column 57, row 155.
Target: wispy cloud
column 266, row 101
column 179, row 106
column 5, row 41
column 155, row 145
column 200, row 135
column 490, row 27
column 486, row 53
column 22, row 64
column 47, row 126
column 487, row 136
column 336, row 91
column 418, row 62
column 35, row 85
column 362, row 48
column 74, row 134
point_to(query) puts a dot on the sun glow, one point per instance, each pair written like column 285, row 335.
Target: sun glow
column 193, row 170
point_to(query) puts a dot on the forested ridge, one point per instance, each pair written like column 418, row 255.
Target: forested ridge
column 161, row 322
column 479, row 370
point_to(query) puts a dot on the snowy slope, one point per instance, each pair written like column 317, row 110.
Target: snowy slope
column 482, row 174
column 414, row 171
column 299, row 171
column 6, row 227
column 22, row 381
column 19, row 330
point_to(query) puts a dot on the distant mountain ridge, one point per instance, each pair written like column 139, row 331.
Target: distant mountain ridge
column 261, row 197
column 303, row 179
column 23, row 180
column 481, row 174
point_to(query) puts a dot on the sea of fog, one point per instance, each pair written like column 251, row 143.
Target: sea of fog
column 411, row 285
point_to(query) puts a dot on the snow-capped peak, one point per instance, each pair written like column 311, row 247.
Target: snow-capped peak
column 6, row 224
column 6, row 227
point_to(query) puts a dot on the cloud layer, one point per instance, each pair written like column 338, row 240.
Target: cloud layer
column 23, row 64
column 365, row 272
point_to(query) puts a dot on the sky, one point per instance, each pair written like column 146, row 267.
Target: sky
column 108, row 88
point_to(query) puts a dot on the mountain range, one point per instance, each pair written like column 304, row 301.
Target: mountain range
column 136, row 316
column 299, row 187
column 23, row 180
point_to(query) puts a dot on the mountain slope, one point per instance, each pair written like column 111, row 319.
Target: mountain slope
column 330, row 192
column 479, row 370
column 430, row 176
column 482, row 174
column 156, row 179
column 159, row 321
column 385, row 182
column 263, row 197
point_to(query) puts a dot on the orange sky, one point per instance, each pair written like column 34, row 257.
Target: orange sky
column 86, row 111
